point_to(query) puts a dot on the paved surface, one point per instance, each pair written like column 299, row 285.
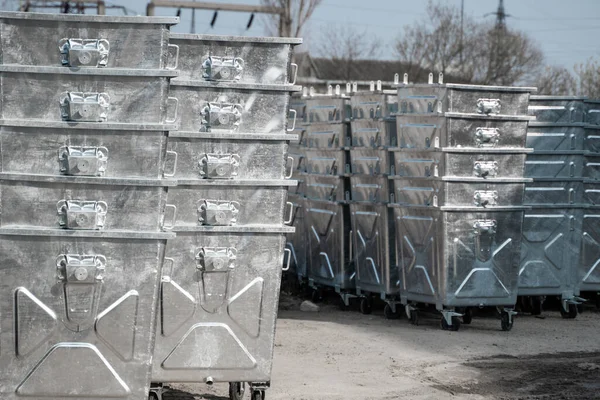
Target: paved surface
column 337, row 354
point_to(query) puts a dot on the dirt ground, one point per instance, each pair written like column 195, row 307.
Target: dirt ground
column 336, row 354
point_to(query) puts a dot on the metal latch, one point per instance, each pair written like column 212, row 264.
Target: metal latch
column 219, row 166
column 221, row 116
column 485, row 198
column 485, row 226
column 84, row 107
column 76, row 214
column 77, row 268
column 487, row 137
column 218, row 212
column 86, row 161
column 80, row 276
column 213, row 259
column 84, row 52
column 484, row 169
column 488, row 106
column 222, row 68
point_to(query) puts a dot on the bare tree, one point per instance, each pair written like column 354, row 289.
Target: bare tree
column 556, row 81
column 471, row 52
column 296, row 14
column 589, row 78
column 507, row 57
column 344, row 45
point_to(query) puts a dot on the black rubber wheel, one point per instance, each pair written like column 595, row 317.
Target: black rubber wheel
column 389, row 314
column 316, row 295
column 506, row 323
column 536, row 305
column 365, row 305
column 237, row 390
column 454, row 327
column 152, row 396
column 571, row 313
column 258, row 395
column 467, row 316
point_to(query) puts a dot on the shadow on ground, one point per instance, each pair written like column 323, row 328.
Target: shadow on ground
column 565, row 376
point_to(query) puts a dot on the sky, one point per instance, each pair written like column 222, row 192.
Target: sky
column 567, row 31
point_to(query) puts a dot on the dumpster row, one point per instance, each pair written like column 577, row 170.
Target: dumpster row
column 143, row 187
column 459, row 197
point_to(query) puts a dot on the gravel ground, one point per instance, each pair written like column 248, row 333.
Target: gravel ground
column 334, row 354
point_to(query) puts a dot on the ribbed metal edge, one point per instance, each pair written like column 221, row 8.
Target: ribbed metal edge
column 87, row 180
column 235, row 86
column 483, row 209
column 104, row 126
column 478, row 150
column 236, row 39
column 472, row 179
column 280, row 137
column 493, row 117
column 234, row 229
column 537, row 124
column 459, row 179
column 128, row 72
column 553, row 98
column 498, row 150
column 236, row 182
column 539, row 206
column 28, row 231
column 105, row 19
column 559, row 152
column 569, row 179
column 516, row 89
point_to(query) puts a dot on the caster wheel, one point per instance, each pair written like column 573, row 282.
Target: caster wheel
column 454, row 327
column 236, row 390
column 316, row 295
column 467, row 316
column 413, row 317
column 505, row 322
column 258, row 395
column 536, row 305
column 365, row 305
column 152, row 396
column 389, row 314
column 571, row 313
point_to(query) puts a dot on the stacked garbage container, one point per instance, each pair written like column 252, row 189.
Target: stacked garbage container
column 220, row 285
column 373, row 133
column 325, row 166
column 589, row 271
column 85, row 111
column 296, row 242
column 553, row 227
column 458, row 187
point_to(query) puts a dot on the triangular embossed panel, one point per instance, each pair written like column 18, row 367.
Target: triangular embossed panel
column 245, row 307
column 209, row 346
column 116, row 325
column 34, row 322
column 73, row 370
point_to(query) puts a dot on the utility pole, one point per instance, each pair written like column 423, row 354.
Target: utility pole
column 498, row 49
column 193, row 27
column 462, row 16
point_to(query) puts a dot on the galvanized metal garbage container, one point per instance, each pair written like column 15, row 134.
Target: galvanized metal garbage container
column 552, row 228
column 83, row 127
column 373, row 132
column 324, row 144
column 220, row 289
column 589, row 272
column 458, row 197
